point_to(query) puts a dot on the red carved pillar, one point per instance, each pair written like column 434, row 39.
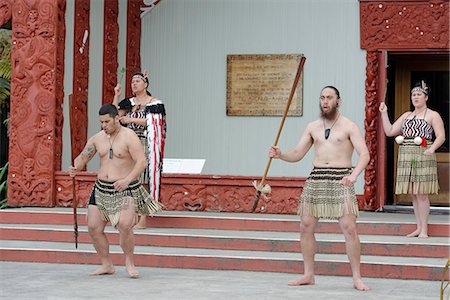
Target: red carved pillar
column 110, row 42
column 133, row 55
column 370, row 126
column 33, row 133
column 80, row 75
column 59, row 80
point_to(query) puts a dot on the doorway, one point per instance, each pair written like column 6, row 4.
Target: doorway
column 404, row 70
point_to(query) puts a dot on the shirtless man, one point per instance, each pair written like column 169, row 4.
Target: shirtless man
column 329, row 191
column 117, row 194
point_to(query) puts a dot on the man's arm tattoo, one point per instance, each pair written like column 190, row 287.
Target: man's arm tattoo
column 88, row 152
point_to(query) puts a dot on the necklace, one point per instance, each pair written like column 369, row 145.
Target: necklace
column 111, row 143
column 328, row 130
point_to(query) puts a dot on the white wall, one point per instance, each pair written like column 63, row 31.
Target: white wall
column 184, row 47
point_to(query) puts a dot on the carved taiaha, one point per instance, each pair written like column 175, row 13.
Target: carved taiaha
column 260, row 187
column 72, row 111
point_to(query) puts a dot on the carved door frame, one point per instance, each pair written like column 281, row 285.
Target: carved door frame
column 386, row 26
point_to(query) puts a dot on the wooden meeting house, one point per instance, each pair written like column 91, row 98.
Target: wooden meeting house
column 67, row 50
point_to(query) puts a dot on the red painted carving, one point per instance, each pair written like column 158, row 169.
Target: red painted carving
column 133, row 56
column 63, row 183
column 391, row 25
column 33, row 100
column 110, row 42
column 370, row 126
column 228, row 194
column 202, row 193
column 59, row 81
column 404, row 25
column 80, row 76
column 5, row 11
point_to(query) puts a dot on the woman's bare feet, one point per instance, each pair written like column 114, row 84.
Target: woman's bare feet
column 142, row 224
column 104, row 270
column 423, row 236
column 359, row 285
column 415, row 233
column 304, row 280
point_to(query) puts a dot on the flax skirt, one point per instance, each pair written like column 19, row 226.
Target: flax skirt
column 416, row 172
column 324, row 196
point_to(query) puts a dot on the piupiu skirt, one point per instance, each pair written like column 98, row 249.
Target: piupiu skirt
column 416, row 172
column 324, row 196
column 110, row 202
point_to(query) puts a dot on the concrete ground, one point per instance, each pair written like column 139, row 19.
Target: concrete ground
column 65, row 281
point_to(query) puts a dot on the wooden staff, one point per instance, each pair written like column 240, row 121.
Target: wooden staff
column 72, row 143
column 260, row 188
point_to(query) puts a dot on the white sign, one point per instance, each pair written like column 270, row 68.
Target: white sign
column 182, row 166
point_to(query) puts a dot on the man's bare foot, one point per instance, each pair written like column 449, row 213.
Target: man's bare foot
column 132, row 272
column 139, row 227
column 359, row 285
column 104, row 270
column 423, row 236
column 304, row 280
column 415, row 233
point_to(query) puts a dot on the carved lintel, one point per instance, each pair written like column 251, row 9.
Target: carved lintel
column 404, row 24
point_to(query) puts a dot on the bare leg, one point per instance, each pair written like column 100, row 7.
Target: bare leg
column 96, row 228
column 142, row 224
column 418, row 220
column 125, row 226
column 423, row 204
column 308, row 244
column 353, row 248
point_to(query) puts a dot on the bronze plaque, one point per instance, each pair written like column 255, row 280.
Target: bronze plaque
column 260, row 85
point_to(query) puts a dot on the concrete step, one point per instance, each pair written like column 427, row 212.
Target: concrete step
column 368, row 222
column 437, row 247
column 199, row 258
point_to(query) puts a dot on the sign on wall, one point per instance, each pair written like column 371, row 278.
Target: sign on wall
column 260, row 85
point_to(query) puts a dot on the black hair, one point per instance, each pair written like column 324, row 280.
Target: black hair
column 145, row 79
column 108, row 109
column 125, row 104
column 335, row 90
column 425, row 87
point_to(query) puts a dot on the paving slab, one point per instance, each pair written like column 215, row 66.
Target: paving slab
column 23, row 281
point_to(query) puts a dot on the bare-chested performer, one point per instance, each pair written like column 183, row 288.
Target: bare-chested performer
column 329, row 191
column 117, row 195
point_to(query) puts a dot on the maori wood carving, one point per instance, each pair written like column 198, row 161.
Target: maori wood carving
column 404, row 25
column 33, row 99
column 202, row 193
column 80, row 76
column 59, row 80
column 133, row 56
column 394, row 25
column 5, row 11
column 110, row 42
column 370, row 126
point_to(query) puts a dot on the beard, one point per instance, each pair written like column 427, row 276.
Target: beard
column 331, row 114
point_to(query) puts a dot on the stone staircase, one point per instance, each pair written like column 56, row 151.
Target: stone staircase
column 233, row 241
